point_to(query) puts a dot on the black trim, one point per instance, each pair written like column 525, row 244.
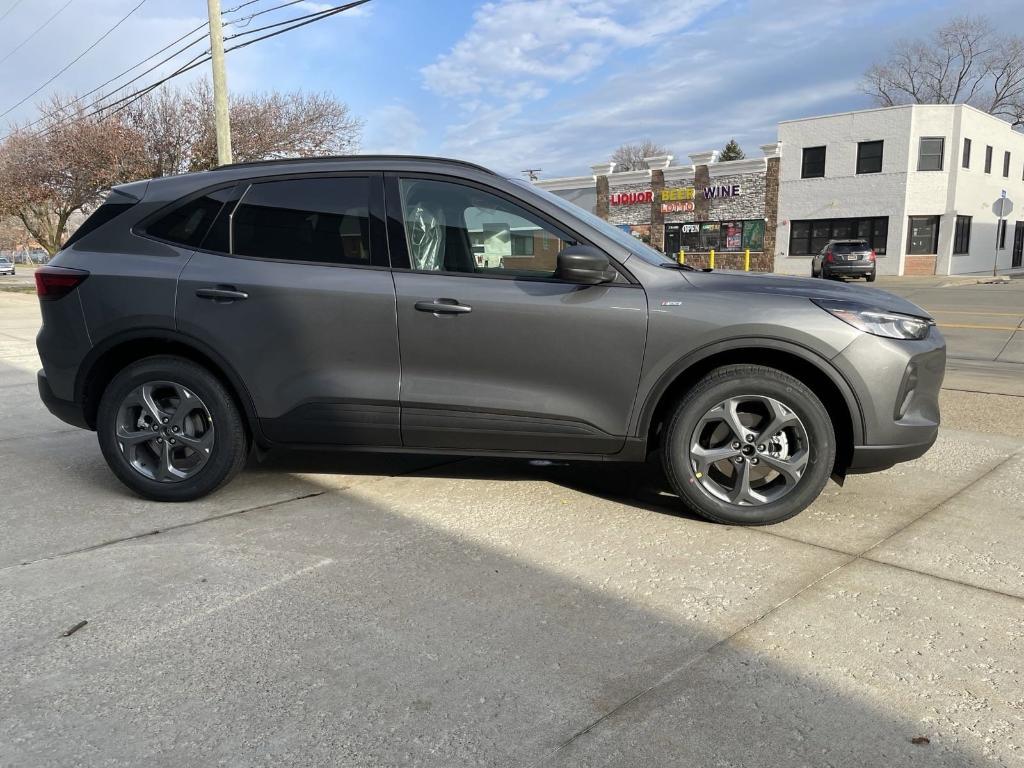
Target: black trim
column 808, row 355
column 69, row 412
column 872, row 458
column 337, row 423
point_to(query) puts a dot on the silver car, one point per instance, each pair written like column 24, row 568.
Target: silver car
column 421, row 305
column 6, row 266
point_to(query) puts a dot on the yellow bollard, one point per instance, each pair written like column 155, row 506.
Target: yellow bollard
column 682, row 256
column 746, row 261
column 711, row 261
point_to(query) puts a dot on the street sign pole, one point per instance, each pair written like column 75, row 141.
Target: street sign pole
column 1001, row 202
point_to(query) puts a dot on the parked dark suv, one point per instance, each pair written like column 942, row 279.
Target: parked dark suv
column 845, row 258
column 424, row 305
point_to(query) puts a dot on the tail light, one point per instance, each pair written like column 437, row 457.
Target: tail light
column 53, row 283
column 872, row 256
column 828, row 257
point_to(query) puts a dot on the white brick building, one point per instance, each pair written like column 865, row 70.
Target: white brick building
column 921, row 182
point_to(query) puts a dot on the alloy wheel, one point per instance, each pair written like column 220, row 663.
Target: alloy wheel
column 165, row 431
column 749, row 450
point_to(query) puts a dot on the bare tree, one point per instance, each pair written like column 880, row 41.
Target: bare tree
column 963, row 62
column 63, row 168
column 630, row 157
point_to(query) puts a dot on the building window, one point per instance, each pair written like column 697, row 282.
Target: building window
column 962, row 236
column 988, row 159
column 966, row 161
column 1001, row 234
column 929, row 154
column 810, row 236
column 1006, row 165
column 923, row 238
column 869, row 157
column 814, row 163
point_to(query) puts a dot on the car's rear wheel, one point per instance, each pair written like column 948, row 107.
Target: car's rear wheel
column 748, row 445
column 870, row 278
column 169, row 430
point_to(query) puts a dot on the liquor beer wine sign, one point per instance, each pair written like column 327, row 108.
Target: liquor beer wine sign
column 676, row 198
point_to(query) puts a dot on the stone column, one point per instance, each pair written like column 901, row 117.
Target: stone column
column 771, row 203
column 702, row 179
column 657, row 166
column 601, row 171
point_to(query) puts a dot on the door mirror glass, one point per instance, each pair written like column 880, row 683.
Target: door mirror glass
column 584, row 264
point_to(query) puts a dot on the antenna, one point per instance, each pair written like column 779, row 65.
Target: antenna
column 531, row 173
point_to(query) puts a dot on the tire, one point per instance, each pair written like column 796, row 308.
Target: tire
column 211, row 444
column 870, row 278
column 772, row 500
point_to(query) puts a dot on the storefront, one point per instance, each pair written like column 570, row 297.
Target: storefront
column 728, row 208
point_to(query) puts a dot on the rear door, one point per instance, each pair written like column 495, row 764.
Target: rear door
column 496, row 352
column 291, row 288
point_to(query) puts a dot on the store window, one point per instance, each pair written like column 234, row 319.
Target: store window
column 455, row 228
column 966, row 160
column 702, row 236
column 988, row 159
column 710, row 235
column 869, row 157
column 1006, row 165
column 810, row 236
column 962, row 235
column 923, row 237
column 929, row 154
column 813, row 163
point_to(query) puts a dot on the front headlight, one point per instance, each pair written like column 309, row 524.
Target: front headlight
column 892, row 325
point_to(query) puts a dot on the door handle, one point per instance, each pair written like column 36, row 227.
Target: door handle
column 443, row 307
column 223, row 294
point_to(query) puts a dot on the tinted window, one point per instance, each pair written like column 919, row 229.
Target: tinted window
column 813, row 163
column 988, row 159
column 115, row 204
column 929, row 157
column 320, row 220
column 188, row 224
column 850, row 247
column 869, row 157
column 455, row 228
column 1006, row 164
column 967, row 153
column 810, row 236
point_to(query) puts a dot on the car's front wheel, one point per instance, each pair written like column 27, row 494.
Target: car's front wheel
column 748, row 445
column 169, row 430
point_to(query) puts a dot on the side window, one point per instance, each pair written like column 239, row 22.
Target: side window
column 321, row 220
column 188, row 224
column 455, row 228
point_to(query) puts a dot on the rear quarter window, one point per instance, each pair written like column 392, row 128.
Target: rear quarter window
column 115, row 204
column 189, row 223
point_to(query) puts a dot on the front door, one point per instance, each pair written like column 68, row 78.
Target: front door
column 496, row 352
column 299, row 301
column 1018, row 244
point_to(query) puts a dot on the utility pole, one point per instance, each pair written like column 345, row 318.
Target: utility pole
column 220, row 84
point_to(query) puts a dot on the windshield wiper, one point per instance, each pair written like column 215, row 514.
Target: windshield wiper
column 676, row 265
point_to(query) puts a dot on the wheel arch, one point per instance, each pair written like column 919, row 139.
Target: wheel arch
column 800, row 362
column 105, row 360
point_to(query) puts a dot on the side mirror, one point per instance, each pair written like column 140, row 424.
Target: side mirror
column 584, row 264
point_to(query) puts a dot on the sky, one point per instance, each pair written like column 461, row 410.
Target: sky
column 511, row 84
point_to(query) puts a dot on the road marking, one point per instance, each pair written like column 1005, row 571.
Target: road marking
column 982, row 327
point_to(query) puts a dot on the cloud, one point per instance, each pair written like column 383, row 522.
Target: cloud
column 393, row 130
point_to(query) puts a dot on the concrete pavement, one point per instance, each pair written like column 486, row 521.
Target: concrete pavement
column 385, row 611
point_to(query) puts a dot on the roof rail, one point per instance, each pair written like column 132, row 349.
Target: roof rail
column 354, row 158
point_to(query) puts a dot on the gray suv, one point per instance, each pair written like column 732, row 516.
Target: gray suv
column 402, row 304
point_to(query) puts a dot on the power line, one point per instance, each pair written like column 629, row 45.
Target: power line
column 246, row 19
column 38, row 29
column 8, row 11
column 77, row 58
column 126, row 101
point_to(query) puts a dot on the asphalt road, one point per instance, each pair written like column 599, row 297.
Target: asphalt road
column 385, row 611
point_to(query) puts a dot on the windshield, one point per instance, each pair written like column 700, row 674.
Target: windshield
column 627, row 241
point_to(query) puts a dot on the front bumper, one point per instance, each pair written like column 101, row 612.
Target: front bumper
column 897, row 384
column 65, row 410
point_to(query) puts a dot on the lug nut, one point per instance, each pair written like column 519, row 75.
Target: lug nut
column 171, row 441
column 750, row 438
column 736, row 445
column 760, row 448
column 752, row 461
column 159, row 440
column 156, row 427
column 175, row 429
column 739, row 459
column 165, row 421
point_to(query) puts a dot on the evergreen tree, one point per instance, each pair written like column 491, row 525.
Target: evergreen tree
column 731, row 151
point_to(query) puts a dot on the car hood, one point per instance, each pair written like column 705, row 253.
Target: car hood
column 761, row 282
